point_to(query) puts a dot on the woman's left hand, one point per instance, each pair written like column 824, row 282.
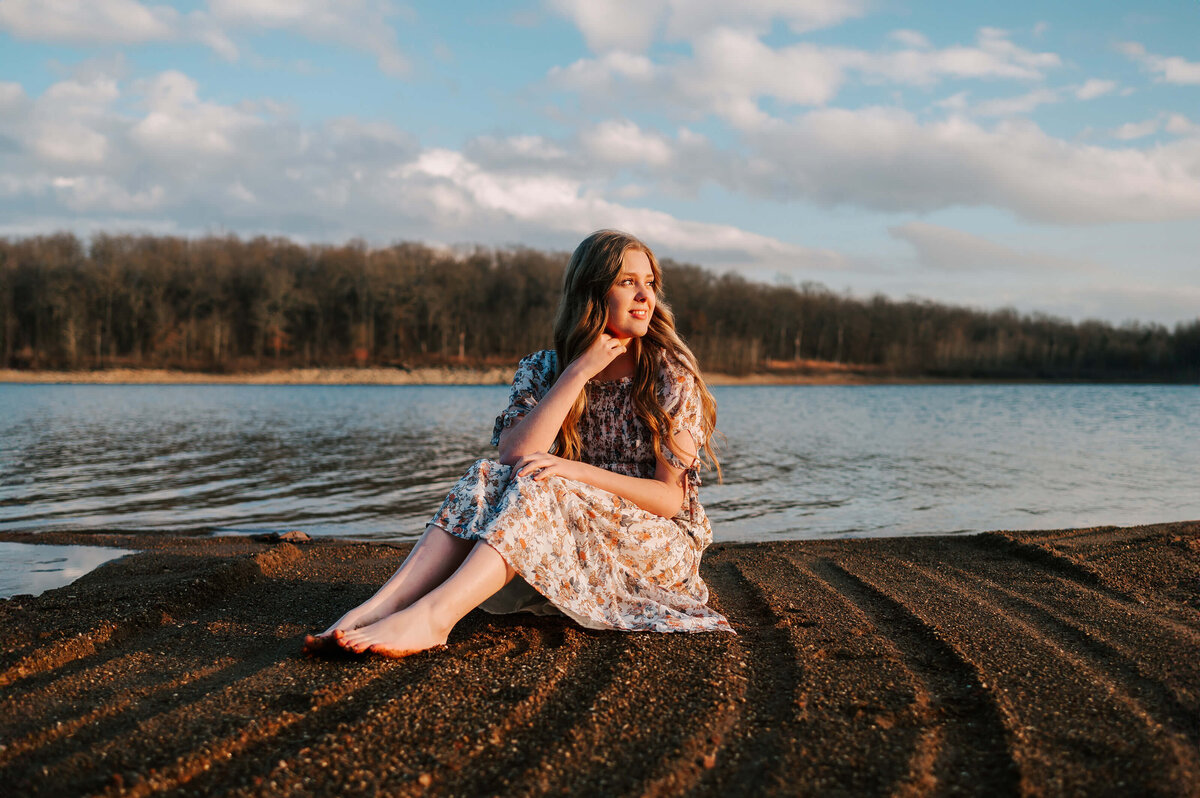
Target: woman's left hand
column 540, row 465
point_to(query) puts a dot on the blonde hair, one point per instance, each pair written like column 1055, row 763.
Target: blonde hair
column 591, row 273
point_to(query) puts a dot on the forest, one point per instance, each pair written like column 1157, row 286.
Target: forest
column 224, row 304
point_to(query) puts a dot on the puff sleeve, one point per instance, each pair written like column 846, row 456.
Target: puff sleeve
column 533, row 377
column 681, row 401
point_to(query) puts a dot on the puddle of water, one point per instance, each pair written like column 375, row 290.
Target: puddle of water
column 35, row 568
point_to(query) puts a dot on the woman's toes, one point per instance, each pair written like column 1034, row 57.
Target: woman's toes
column 355, row 642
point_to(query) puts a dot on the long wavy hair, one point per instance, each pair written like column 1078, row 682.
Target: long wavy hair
column 592, row 271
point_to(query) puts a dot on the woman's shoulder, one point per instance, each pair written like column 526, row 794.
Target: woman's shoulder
column 536, row 369
column 541, row 356
column 543, row 360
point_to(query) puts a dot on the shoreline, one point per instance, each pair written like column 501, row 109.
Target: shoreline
column 491, row 375
column 1009, row 663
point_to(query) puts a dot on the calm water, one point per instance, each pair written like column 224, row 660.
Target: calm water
column 800, row 462
column 34, row 569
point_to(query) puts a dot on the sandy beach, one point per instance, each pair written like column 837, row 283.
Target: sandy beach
column 817, row 372
column 1050, row 663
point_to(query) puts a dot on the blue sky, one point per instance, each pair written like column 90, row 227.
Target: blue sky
column 1038, row 156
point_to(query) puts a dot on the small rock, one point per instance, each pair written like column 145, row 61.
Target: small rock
column 425, row 779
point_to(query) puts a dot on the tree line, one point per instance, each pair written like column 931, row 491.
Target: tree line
column 221, row 303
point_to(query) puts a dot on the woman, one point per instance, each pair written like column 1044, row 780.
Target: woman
column 608, row 528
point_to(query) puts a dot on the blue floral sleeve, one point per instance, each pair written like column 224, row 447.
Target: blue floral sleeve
column 534, row 376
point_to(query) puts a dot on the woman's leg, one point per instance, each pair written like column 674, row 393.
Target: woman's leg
column 436, row 556
column 427, row 622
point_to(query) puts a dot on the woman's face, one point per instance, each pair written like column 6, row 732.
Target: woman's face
column 630, row 302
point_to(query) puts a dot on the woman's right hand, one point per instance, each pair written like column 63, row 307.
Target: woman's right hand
column 595, row 359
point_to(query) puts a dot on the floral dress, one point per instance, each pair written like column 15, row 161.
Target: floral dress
column 585, row 552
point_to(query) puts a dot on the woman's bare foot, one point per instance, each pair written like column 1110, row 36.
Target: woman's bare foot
column 434, row 558
column 326, row 647
column 362, row 615
column 398, row 635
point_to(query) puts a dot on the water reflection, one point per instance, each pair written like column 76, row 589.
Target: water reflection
column 371, row 461
column 36, row 568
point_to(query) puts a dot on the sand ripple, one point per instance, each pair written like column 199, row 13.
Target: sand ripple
column 1049, row 663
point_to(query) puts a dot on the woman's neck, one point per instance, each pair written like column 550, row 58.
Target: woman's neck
column 622, row 366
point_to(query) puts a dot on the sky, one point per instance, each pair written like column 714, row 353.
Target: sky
column 1037, row 156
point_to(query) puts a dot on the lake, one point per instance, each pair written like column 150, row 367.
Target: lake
column 800, row 461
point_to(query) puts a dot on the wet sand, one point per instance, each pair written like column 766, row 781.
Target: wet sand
column 821, row 373
column 495, row 375
column 1048, row 663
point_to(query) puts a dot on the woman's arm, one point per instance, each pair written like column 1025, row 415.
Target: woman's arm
column 662, row 494
column 538, row 429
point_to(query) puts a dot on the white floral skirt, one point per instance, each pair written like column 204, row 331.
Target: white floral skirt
column 595, row 556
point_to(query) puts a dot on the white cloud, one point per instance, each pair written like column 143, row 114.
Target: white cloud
column 728, row 73
column 1113, row 300
column 946, row 249
column 1023, row 104
column 162, row 152
column 732, row 70
column 910, row 38
column 607, row 154
column 70, row 143
column 1169, row 69
column 1180, row 125
column 10, row 93
column 1094, row 88
column 90, row 193
column 688, row 18
column 623, row 142
column 180, row 126
column 66, row 124
column 1177, row 70
column 1175, row 124
column 93, row 150
column 202, row 28
column 1136, row 130
column 88, row 21
column 627, row 25
column 1131, row 49
column 955, row 102
column 451, row 193
column 359, row 24
column 961, row 267
column 993, row 56
column 119, row 22
column 885, row 159
column 633, row 25
column 516, row 152
column 13, row 105
column 603, row 75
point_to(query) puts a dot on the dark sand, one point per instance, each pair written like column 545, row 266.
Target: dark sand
column 1050, row 663
column 812, row 372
